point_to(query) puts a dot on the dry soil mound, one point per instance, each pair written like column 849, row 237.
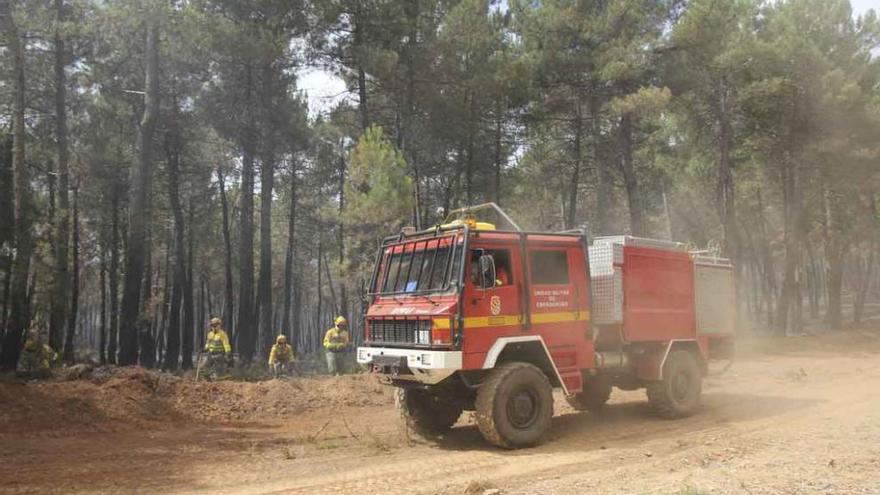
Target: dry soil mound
column 117, row 397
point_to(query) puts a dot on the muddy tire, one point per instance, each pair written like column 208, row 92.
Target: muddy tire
column 678, row 393
column 596, row 393
column 514, row 406
column 427, row 414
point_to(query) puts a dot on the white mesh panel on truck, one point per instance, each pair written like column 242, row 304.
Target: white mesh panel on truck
column 607, row 282
column 714, row 294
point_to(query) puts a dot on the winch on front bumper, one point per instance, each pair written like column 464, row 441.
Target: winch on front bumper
column 411, row 364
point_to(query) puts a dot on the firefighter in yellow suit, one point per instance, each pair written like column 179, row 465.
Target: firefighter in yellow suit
column 219, row 352
column 281, row 356
column 336, row 342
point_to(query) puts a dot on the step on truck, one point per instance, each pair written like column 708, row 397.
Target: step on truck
column 469, row 316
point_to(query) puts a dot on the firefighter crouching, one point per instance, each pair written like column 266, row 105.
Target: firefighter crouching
column 217, row 349
column 36, row 357
column 281, row 357
column 336, row 342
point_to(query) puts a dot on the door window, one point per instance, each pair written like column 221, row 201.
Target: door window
column 549, row 267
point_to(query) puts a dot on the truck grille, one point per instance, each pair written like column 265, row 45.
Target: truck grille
column 400, row 331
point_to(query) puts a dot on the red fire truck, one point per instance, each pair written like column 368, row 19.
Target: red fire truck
column 467, row 316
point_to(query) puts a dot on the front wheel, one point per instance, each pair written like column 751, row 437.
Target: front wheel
column 425, row 413
column 514, row 406
column 678, row 393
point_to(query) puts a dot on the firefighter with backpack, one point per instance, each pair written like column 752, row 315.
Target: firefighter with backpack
column 218, row 351
column 336, row 342
column 281, row 357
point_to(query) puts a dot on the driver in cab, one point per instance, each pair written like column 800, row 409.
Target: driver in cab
column 502, row 272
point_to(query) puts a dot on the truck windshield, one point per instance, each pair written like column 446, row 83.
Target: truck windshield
column 420, row 266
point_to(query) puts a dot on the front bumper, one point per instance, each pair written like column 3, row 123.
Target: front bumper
column 411, row 364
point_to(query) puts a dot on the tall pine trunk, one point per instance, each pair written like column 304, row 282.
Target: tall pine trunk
column 61, row 283
column 630, row 180
column 340, row 239
column 724, row 188
column 229, row 293
column 318, row 318
column 289, row 260
column 186, row 346
column 787, row 320
column 102, row 279
column 871, row 269
column 603, row 171
column 498, row 153
column 267, row 184
column 138, row 211
column 19, row 311
column 172, row 160
column 113, row 278
column 834, row 254
column 360, row 53
column 577, row 154
column 69, row 350
column 246, row 333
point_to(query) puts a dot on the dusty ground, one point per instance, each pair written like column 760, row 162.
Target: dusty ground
column 800, row 415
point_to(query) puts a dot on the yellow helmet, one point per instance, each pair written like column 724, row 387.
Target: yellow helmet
column 216, row 322
column 340, row 320
column 281, row 339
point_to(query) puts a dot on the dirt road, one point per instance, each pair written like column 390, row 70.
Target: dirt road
column 800, row 417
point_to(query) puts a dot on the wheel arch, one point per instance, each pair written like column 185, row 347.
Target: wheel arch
column 528, row 349
column 649, row 362
column 691, row 346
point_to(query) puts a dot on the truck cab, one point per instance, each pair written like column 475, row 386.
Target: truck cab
column 467, row 316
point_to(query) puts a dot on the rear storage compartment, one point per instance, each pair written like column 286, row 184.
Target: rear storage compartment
column 643, row 287
column 715, row 296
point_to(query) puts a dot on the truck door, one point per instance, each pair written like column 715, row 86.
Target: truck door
column 493, row 310
column 559, row 301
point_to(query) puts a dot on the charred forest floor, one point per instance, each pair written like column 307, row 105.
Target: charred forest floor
column 793, row 415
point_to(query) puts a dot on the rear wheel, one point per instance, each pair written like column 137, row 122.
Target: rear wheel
column 425, row 413
column 596, row 393
column 514, row 406
column 678, row 393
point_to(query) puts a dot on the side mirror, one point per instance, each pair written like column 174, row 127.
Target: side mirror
column 487, row 271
